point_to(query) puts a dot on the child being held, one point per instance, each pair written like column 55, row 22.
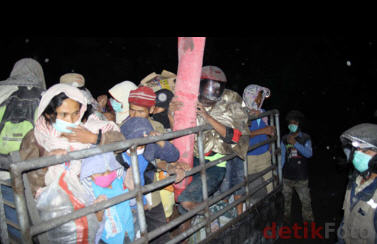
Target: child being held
column 105, row 178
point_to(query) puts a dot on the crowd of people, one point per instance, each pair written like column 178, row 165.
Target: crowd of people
column 38, row 121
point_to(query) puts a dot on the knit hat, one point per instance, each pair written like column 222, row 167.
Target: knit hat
column 213, row 73
column 142, row 96
column 136, row 127
column 97, row 164
column 73, row 79
column 163, row 98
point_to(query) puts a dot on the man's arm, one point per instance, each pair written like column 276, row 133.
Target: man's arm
column 229, row 135
column 305, row 150
column 282, row 151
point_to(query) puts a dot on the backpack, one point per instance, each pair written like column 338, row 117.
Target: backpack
column 17, row 116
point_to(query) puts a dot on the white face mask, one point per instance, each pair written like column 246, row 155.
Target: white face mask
column 138, row 151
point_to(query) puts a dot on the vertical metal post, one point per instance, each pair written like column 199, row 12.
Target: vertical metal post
column 204, row 181
column 273, row 152
column 246, row 174
column 139, row 196
column 20, row 202
column 277, row 126
column 4, row 238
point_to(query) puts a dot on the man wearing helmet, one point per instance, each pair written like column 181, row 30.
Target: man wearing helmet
column 296, row 148
column 222, row 109
column 359, row 224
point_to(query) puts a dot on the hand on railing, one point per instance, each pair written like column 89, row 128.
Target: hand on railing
column 179, row 169
column 129, row 180
column 270, row 130
column 156, row 133
column 254, row 112
column 99, row 214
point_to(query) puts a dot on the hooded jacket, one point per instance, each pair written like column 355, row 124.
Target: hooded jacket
column 19, row 97
column 121, row 92
column 45, row 138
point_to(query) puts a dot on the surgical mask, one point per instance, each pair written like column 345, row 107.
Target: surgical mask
column 361, row 161
column 105, row 180
column 116, row 106
column 293, row 128
column 61, row 125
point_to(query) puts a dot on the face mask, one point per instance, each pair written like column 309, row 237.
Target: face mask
column 360, row 161
column 61, row 125
column 116, row 106
column 293, row 128
column 105, row 180
column 162, row 118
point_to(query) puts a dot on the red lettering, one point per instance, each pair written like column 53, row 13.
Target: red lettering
column 306, row 230
column 315, row 231
column 273, row 231
column 285, row 230
column 295, row 228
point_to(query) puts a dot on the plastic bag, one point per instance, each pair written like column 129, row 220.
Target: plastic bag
column 61, row 197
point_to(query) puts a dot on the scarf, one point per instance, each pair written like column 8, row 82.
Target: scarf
column 251, row 93
column 50, row 139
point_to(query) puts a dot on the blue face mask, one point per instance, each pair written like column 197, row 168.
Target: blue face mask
column 361, row 161
column 61, row 125
column 293, row 128
column 116, row 106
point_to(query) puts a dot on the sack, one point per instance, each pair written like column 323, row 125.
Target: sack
column 63, row 196
column 165, row 80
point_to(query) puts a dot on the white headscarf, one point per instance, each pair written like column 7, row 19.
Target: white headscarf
column 120, row 92
column 251, row 92
column 50, row 139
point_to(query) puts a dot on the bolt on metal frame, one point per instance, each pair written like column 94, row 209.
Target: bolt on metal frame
column 18, row 168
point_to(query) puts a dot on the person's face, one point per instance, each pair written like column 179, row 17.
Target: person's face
column 258, row 99
column 139, row 111
column 294, row 122
column 69, row 111
column 368, row 151
column 94, row 176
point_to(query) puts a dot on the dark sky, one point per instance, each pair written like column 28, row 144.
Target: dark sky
column 331, row 79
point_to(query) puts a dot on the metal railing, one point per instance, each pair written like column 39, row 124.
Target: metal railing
column 19, row 168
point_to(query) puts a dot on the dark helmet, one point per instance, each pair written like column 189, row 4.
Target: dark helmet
column 362, row 136
column 212, row 85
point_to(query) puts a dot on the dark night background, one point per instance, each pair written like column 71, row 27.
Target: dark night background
column 330, row 78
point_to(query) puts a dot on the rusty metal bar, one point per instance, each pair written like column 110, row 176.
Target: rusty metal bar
column 4, row 238
column 277, row 126
column 203, row 176
column 16, row 171
column 79, row 154
column 139, row 195
column 273, row 149
column 20, row 202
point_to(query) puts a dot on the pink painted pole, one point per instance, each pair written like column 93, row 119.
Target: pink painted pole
column 190, row 62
